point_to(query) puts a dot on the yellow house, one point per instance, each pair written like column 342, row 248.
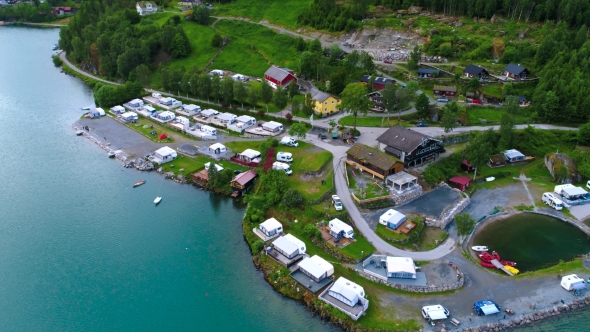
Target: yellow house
column 325, row 104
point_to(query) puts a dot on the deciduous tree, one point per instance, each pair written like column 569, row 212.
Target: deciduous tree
column 423, row 106
column 227, row 90
column 465, row 223
column 253, row 96
column 280, row 98
column 355, row 101
column 298, row 130
column 449, row 116
column 240, row 93
column 414, row 59
column 265, row 94
column 389, row 97
column 480, row 149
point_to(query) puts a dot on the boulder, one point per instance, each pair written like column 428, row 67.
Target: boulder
column 563, row 168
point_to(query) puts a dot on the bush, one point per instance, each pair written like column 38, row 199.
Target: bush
column 443, row 169
column 257, row 246
column 292, row 198
column 312, row 232
column 56, row 60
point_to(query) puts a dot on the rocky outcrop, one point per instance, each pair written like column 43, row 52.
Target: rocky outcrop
column 406, row 195
column 562, row 167
column 139, row 164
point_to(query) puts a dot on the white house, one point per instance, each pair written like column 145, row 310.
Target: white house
column 219, row 168
column 572, row 282
column 400, row 267
column 118, row 109
column 392, row 219
column 347, row 291
column 181, row 123
column 272, row 126
column 224, row 119
column 129, row 117
column 164, row 155
column 249, row 155
column 205, row 116
column 316, row 268
column 238, row 77
column 289, row 246
column 170, row 102
column 570, row 191
column 241, row 123
column 146, row 7
column 189, row 110
column 100, row 111
column 135, row 103
column 217, row 72
column 165, row 116
column 514, row 155
column 271, row 227
column 340, row 229
column 209, row 130
column 218, row 148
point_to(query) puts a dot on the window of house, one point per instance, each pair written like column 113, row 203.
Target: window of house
column 326, row 109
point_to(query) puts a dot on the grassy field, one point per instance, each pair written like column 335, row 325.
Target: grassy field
column 494, row 90
column 314, row 160
column 269, row 46
column 277, row 12
column 491, row 115
column 372, row 121
column 159, row 129
column 193, row 164
column 239, row 57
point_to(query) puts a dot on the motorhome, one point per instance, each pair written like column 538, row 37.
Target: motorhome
column 289, row 141
column 209, row 130
column 435, row 312
column 282, row 166
column 553, row 201
column 285, row 156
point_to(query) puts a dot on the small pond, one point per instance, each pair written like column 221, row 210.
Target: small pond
column 533, row 241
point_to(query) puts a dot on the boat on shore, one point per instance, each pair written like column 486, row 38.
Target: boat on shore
column 508, row 263
column 138, row 183
column 487, row 257
column 86, row 108
column 111, row 154
column 79, row 133
column 157, row 200
column 480, row 248
column 488, row 265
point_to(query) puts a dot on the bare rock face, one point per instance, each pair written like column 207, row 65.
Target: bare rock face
column 563, row 168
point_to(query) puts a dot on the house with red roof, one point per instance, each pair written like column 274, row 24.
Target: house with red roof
column 58, row 11
column 276, row 77
column 242, row 182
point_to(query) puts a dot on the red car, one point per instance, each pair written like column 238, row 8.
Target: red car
column 387, row 60
column 477, row 101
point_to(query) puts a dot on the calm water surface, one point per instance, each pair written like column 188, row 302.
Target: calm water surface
column 534, row 241
column 83, row 251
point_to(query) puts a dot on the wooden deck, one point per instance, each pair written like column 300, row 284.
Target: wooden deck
column 499, row 266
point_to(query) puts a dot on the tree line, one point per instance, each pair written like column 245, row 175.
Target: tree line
column 110, row 38
column 327, row 15
column 35, row 12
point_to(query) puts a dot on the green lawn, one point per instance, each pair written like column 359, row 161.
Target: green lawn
column 277, row 12
column 361, row 248
column 194, row 164
column 494, row 90
column 492, row 115
column 371, row 121
column 314, row 160
column 272, row 47
column 371, row 190
column 239, row 57
column 159, row 129
column 385, row 233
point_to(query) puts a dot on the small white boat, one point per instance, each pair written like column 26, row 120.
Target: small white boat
column 490, row 179
column 480, row 248
column 86, row 108
column 157, row 200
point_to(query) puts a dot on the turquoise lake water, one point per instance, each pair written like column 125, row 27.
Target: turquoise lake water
column 83, row 251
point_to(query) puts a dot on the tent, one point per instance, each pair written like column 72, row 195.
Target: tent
column 162, row 136
column 486, row 307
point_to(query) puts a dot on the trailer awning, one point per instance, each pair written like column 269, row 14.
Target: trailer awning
column 437, row 314
column 489, row 309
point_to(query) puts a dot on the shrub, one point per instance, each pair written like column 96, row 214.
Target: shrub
column 257, row 246
column 312, row 232
column 292, row 198
column 57, row 61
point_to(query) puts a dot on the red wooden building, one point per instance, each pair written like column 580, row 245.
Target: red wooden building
column 460, row 182
column 378, row 82
column 276, row 77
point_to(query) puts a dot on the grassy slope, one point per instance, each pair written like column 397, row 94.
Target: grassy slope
column 283, row 12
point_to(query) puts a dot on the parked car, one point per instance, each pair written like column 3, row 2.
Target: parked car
column 477, row 101
column 442, row 100
column 337, row 202
column 387, row 61
column 421, row 124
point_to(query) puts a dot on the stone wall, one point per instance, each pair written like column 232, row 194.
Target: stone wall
column 418, row 289
column 448, row 213
column 406, row 195
column 536, row 316
column 454, row 139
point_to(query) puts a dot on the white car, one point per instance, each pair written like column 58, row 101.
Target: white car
column 337, row 202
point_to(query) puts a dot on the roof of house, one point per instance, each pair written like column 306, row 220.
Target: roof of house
column 285, row 245
column 400, row 264
column 348, row 289
column 117, row 108
column 277, row 73
column 272, row 125
column 428, row 71
column 376, row 79
column 372, row 156
column 444, row 88
column 402, row 139
column 245, row 118
column 392, row 216
column 191, row 107
column 226, row 116
column 320, row 95
column 166, row 114
column 245, row 177
column 513, row 153
column 498, row 158
column 129, row 115
column 514, row 69
column 474, row 70
column 460, row 179
column 217, row 146
column 271, row 224
column 166, row 150
column 574, row 191
column 250, row 153
column 295, row 240
column 313, row 266
column 209, row 112
column 144, row 3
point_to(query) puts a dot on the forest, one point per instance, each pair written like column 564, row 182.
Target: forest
column 37, row 12
column 106, row 38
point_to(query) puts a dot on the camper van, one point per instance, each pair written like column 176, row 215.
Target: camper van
column 435, row 312
column 552, row 200
column 282, row 166
column 572, row 282
column 209, row 130
column 285, row 156
column 156, row 95
column 289, row 141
